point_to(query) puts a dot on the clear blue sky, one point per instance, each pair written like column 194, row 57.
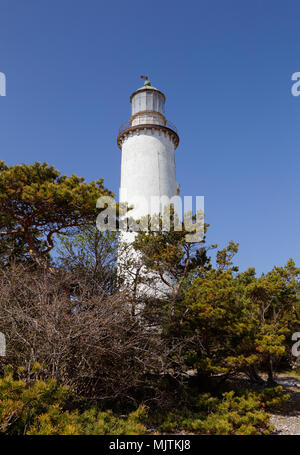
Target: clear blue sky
column 225, row 67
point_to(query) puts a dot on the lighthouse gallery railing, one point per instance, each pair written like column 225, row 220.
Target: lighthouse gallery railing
column 127, row 125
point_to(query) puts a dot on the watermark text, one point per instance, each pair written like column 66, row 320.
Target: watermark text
column 2, row 84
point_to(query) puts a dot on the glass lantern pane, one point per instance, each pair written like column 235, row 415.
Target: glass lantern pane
column 155, row 102
column 162, row 105
column 133, row 109
column 149, row 101
column 143, row 101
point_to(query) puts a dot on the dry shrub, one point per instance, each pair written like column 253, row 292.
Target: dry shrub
column 89, row 342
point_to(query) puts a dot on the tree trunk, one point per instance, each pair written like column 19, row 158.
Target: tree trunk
column 271, row 381
column 254, row 376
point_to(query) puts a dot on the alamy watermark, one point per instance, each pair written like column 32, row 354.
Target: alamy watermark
column 295, row 89
column 133, row 218
column 2, row 345
column 296, row 346
column 2, row 84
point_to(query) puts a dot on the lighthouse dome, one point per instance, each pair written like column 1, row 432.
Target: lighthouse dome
column 147, row 85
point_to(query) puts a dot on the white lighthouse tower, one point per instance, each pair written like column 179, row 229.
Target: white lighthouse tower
column 148, row 142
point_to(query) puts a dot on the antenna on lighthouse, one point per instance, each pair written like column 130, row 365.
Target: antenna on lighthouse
column 144, row 77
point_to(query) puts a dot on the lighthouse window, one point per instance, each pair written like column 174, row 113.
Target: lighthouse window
column 155, row 102
column 134, row 105
column 162, row 106
column 139, row 103
column 149, row 104
column 159, row 104
column 142, row 106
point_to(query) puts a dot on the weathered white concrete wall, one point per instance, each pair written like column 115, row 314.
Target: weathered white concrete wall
column 147, row 169
column 143, row 119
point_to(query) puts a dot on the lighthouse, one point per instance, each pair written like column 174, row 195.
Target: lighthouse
column 148, row 142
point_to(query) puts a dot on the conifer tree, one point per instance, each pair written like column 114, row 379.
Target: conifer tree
column 37, row 202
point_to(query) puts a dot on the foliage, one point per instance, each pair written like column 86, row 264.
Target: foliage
column 169, row 254
column 273, row 398
column 86, row 252
column 39, row 409
column 74, row 330
column 89, row 341
column 236, row 322
column 19, row 405
column 36, row 203
column 230, row 414
column 91, row 422
column 243, row 320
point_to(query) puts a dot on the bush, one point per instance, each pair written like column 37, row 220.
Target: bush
column 39, row 410
column 91, row 422
column 230, row 414
column 274, row 398
column 86, row 341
